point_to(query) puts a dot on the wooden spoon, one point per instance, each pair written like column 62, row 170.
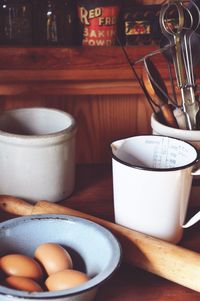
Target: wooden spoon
column 151, row 76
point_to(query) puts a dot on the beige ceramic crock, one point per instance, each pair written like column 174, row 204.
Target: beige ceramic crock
column 37, row 153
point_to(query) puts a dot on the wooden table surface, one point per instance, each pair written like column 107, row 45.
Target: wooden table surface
column 93, row 195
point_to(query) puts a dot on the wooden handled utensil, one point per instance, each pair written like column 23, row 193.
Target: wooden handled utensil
column 157, row 90
column 161, row 258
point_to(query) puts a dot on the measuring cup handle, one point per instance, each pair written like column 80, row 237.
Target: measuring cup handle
column 196, row 169
column 196, row 172
column 193, row 220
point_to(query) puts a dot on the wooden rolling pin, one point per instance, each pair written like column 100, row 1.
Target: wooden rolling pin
column 169, row 261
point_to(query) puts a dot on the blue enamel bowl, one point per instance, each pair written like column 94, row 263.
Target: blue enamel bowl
column 94, row 250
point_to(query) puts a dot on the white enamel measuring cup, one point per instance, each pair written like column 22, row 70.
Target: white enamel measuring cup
column 152, row 177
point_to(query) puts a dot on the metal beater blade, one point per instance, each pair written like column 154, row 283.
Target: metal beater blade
column 183, row 64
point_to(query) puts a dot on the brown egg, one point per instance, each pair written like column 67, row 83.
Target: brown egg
column 21, row 265
column 65, row 279
column 23, row 284
column 53, row 257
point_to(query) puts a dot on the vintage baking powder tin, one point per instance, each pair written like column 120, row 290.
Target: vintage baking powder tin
column 99, row 22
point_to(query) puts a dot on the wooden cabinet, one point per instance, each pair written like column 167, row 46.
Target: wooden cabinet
column 95, row 84
column 67, row 71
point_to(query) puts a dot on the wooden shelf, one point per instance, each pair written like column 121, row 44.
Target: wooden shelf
column 81, row 70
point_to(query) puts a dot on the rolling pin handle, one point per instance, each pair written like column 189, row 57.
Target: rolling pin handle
column 15, row 206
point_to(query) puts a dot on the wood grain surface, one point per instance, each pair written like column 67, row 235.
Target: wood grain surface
column 78, row 70
column 100, row 119
column 93, row 195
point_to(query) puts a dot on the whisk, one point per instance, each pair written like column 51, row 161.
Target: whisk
column 179, row 34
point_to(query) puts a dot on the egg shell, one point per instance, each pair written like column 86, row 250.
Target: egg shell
column 23, row 284
column 53, row 257
column 21, row 265
column 65, row 279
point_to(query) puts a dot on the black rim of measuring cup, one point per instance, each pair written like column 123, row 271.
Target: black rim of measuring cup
column 159, row 169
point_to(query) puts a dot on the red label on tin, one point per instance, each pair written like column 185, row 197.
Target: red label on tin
column 100, row 25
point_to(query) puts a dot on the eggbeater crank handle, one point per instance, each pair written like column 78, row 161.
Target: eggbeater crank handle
column 161, row 258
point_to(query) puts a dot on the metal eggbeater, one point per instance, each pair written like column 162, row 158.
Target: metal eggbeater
column 179, row 34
